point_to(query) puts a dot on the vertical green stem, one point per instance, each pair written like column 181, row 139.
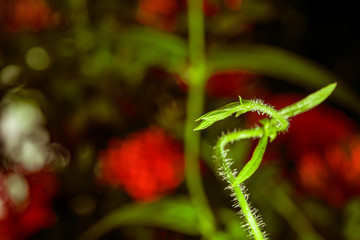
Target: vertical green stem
column 197, row 78
column 245, row 208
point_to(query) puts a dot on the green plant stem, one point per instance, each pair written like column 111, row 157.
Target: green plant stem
column 193, row 175
column 245, row 208
column 196, row 36
column 229, row 175
column 235, row 136
column 195, row 102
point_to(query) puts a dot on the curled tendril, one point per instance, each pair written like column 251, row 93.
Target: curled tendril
column 270, row 127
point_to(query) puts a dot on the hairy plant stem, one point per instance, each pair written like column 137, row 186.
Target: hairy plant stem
column 228, row 174
column 278, row 122
column 195, row 102
column 268, row 130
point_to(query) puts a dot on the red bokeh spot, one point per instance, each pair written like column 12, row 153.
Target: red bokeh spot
column 334, row 174
column 233, row 4
column 164, row 14
column 232, row 84
column 36, row 213
column 210, row 8
column 229, row 84
column 147, row 164
column 161, row 14
column 33, row 15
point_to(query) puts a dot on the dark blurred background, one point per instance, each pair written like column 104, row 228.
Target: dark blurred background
column 90, row 88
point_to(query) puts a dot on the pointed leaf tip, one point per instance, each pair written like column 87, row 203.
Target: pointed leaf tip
column 204, row 124
column 332, row 86
column 309, row 101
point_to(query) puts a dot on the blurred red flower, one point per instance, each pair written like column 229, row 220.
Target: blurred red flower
column 313, row 146
column 334, row 173
column 229, row 84
column 210, row 8
column 147, row 164
column 163, row 14
column 34, row 15
column 233, row 4
column 25, row 204
column 232, row 84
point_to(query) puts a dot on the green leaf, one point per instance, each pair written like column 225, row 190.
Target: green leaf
column 219, row 114
column 147, row 46
column 228, row 108
column 273, row 62
column 254, row 162
column 204, row 124
column 242, row 107
column 308, row 102
column 176, row 215
column 280, row 64
column 351, row 216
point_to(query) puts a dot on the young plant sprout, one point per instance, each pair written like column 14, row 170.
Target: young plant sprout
column 277, row 122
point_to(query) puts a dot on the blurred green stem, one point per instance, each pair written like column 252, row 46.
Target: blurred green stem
column 195, row 102
column 284, row 205
column 79, row 15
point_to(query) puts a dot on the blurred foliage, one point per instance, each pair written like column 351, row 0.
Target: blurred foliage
column 177, row 215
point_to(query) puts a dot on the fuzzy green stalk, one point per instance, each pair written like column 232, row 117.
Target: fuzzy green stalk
column 278, row 122
column 197, row 78
column 228, row 174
